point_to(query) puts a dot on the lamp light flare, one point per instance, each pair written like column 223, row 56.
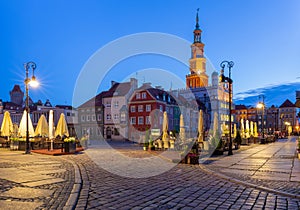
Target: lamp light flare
column 34, row 83
column 260, row 105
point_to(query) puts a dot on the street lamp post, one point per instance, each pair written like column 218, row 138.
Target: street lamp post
column 261, row 106
column 229, row 80
column 33, row 83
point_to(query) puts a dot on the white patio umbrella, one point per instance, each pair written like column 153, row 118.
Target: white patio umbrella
column 42, row 128
column 62, row 128
column 200, row 127
column 216, row 124
column 247, row 129
column 251, row 128
column 51, row 128
column 242, row 129
column 165, row 127
column 255, row 130
column 15, row 130
column 22, row 127
column 7, row 125
column 224, row 129
column 182, row 128
column 234, row 131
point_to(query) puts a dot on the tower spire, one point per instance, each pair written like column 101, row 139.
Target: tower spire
column 197, row 31
column 197, row 20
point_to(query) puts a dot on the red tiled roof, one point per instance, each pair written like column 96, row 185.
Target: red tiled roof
column 95, row 101
column 241, row 106
column 287, row 103
column 118, row 89
column 64, row 107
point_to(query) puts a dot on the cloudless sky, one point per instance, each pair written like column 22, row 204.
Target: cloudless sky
column 260, row 36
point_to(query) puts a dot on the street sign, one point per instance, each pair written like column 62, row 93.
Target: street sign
column 155, row 132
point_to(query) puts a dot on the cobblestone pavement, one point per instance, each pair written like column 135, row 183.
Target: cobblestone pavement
column 34, row 181
column 181, row 187
column 47, row 182
column 273, row 166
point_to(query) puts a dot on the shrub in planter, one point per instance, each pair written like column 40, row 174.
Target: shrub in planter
column 69, row 144
column 237, row 140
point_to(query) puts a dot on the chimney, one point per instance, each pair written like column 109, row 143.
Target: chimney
column 133, row 83
column 113, row 83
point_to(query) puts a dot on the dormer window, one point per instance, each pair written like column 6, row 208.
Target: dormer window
column 137, row 95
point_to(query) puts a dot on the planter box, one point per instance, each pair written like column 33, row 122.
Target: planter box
column 190, row 159
column 22, row 145
column 70, row 146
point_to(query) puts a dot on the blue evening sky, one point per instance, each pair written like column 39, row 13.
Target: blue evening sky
column 260, row 36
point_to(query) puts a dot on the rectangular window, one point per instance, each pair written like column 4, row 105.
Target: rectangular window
column 108, row 117
column 93, row 117
column 99, row 117
column 88, row 118
column 132, row 120
column 160, row 120
column 144, row 95
column 148, row 120
column 148, row 108
column 116, row 104
column 82, row 118
column 108, row 104
column 167, row 109
column 132, row 108
column 141, row 120
column 161, row 108
column 140, row 108
column 116, row 116
column 138, row 96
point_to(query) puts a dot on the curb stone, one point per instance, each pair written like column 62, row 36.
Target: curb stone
column 73, row 198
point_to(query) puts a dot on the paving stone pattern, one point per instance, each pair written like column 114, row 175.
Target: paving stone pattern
column 273, row 166
column 183, row 187
column 34, row 181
